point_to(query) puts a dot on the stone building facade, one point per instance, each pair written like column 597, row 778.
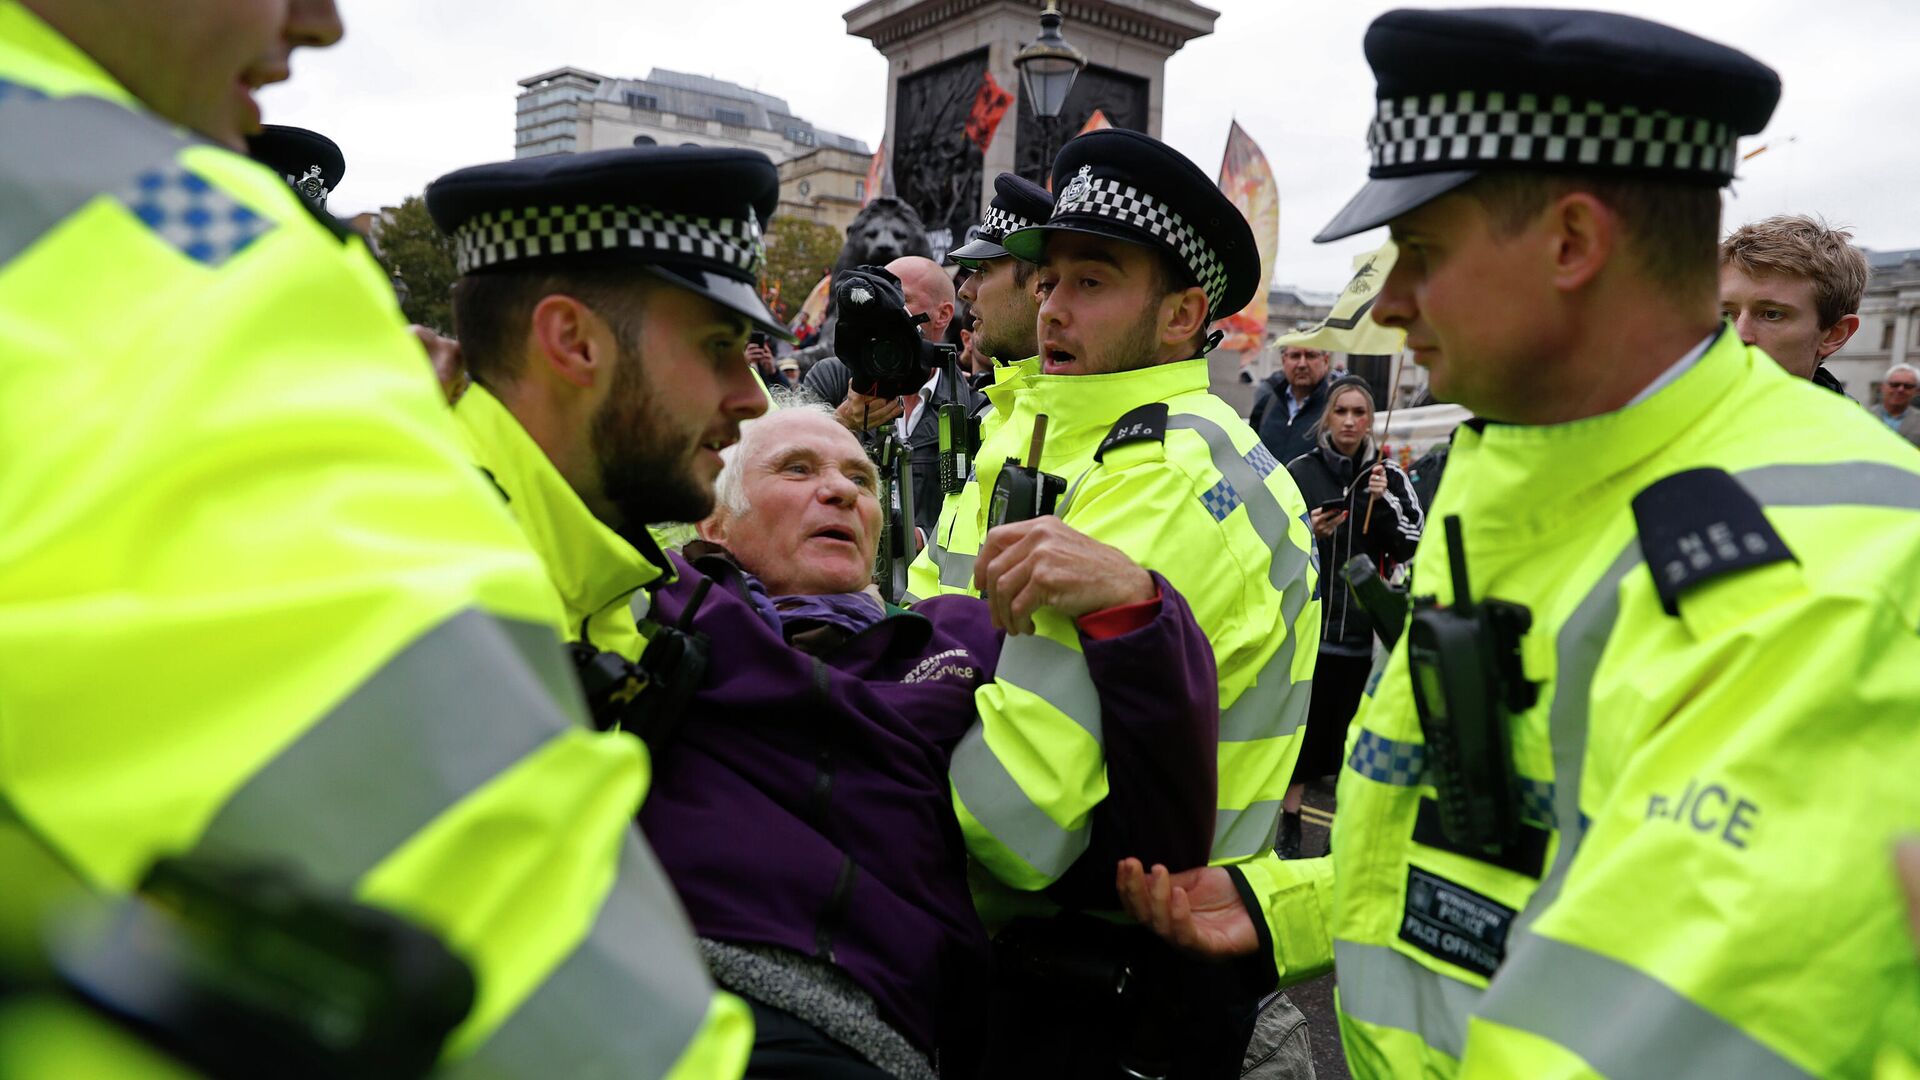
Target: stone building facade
column 1889, row 325
column 569, row 110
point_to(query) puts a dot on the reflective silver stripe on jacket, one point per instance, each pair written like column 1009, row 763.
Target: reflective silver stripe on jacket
column 627, row 1001
column 1384, row 988
column 1058, row 675
column 1274, row 706
column 62, row 153
column 455, row 708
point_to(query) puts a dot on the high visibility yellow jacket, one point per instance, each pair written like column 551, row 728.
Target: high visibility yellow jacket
column 599, row 578
column 1703, row 887
column 254, row 602
column 1209, row 509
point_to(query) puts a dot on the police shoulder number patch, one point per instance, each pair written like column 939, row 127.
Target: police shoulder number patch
column 1148, row 423
column 1698, row 525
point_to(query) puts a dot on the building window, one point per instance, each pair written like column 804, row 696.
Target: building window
column 801, row 136
column 860, row 190
column 1886, row 336
column 731, row 116
column 637, row 100
column 645, row 140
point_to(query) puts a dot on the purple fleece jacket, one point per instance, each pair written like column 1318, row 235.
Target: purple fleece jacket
column 804, row 802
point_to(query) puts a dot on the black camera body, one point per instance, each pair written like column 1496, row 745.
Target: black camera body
column 876, row 338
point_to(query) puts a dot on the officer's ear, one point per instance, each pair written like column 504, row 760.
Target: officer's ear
column 1581, row 233
column 571, row 340
column 1183, row 317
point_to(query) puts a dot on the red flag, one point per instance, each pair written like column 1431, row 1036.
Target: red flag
column 989, row 105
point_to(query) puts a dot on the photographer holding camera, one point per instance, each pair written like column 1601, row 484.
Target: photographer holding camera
column 863, row 404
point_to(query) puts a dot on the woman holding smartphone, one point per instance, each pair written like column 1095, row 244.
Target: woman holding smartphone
column 1342, row 477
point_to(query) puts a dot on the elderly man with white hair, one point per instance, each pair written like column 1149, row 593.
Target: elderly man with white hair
column 1896, row 402
column 802, row 809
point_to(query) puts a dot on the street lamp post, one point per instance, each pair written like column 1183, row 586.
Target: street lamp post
column 1048, row 65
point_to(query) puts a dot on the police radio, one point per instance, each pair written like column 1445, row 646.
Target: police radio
column 898, row 545
column 1467, row 682
column 956, row 431
column 1023, row 492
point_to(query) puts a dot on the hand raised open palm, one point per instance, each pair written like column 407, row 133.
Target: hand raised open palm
column 1198, row 910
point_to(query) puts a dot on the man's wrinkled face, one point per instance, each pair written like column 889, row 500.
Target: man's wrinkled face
column 1777, row 314
column 678, row 396
column 1004, row 310
column 1897, row 392
column 1477, row 310
column 812, row 521
column 1100, row 306
column 198, row 62
column 1304, row 368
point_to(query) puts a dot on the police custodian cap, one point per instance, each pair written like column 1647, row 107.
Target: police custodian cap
column 1465, row 92
column 310, row 161
column 689, row 215
column 1018, row 203
column 1129, row 186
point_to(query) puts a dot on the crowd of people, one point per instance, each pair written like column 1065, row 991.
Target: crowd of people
column 531, row 709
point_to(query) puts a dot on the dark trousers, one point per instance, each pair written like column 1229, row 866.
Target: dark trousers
column 786, row 1047
column 1338, row 682
column 1060, row 1006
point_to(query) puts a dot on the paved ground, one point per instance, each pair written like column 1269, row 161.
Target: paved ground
column 1315, row 998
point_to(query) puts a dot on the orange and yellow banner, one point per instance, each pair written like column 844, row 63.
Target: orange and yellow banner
column 814, row 310
column 1248, row 183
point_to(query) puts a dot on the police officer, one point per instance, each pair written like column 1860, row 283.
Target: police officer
column 998, row 290
column 1140, row 254
column 310, row 161
column 606, row 341
column 254, row 602
column 1596, row 868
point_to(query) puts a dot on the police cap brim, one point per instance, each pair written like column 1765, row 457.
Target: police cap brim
column 731, row 293
column 1030, row 245
column 1387, row 198
column 973, row 253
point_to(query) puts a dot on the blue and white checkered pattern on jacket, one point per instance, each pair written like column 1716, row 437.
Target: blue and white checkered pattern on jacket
column 200, row 220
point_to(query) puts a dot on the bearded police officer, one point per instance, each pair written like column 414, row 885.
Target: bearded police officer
column 255, row 605
column 606, row 341
column 1573, row 836
column 998, row 290
column 1139, row 256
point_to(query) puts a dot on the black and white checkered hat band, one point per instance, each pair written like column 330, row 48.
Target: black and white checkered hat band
column 998, row 223
column 1128, row 204
column 499, row 236
column 1470, row 128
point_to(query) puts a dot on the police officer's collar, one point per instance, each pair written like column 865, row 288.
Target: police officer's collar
column 590, row 564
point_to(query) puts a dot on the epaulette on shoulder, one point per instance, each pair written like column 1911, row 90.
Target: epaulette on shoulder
column 1147, row 423
column 1699, row 525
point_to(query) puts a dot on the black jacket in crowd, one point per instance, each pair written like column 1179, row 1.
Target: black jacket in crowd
column 1323, row 474
column 1286, row 439
column 829, row 380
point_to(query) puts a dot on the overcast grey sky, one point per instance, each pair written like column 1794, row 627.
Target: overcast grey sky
column 420, row 87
